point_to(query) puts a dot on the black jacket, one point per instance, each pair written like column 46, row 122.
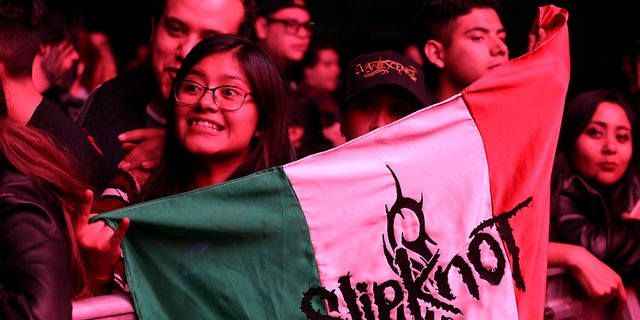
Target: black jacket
column 34, row 252
column 581, row 215
column 92, row 166
column 117, row 106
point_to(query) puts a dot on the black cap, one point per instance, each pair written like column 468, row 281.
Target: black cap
column 385, row 68
column 267, row 7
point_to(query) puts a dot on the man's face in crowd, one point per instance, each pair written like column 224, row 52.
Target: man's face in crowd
column 286, row 34
column 325, row 73
column 375, row 108
column 183, row 24
column 58, row 66
column 477, row 46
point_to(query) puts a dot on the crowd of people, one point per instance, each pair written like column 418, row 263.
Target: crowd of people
column 218, row 99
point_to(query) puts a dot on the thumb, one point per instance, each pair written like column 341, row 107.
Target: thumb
column 119, row 233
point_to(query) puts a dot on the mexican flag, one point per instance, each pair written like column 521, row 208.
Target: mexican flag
column 440, row 215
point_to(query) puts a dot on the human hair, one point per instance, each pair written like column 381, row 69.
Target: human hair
column 246, row 28
column 61, row 23
column 33, row 153
column 435, row 21
column 581, row 108
column 19, row 27
column 615, row 196
column 436, row 16
column 271, row 148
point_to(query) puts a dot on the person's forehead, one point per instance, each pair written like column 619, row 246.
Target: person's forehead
column 484, row 18
column 296, row 13
column 221, row 16
column 327, row 55
column 384, row 93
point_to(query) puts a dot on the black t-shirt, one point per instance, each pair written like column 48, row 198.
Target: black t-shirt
column 67, row 133
column 116, row 106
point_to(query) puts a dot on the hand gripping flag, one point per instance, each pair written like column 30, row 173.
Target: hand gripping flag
column 440, row 215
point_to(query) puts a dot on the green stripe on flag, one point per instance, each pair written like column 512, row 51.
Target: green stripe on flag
column 215, row 255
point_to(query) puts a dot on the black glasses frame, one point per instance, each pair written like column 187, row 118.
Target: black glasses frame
column 213, row 90
column 292, row 27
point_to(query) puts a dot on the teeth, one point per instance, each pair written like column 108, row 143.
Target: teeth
column 206, row 124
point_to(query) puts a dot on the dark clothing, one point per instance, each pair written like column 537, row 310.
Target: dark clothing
column 65, row 132
column 117, row 106
column 34, row 251
column 327, row 105
column 583, row 216
column 305, row 113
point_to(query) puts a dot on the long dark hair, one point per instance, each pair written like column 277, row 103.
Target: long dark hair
column 175, row 173
column 33, row 153
column 577, row 115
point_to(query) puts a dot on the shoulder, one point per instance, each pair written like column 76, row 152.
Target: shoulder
column 130, row 87
column 24, row 200
column 49, row 113
column 125, row 92
column 18, row 188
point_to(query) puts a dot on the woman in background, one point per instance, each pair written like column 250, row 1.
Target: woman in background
column 595, row 187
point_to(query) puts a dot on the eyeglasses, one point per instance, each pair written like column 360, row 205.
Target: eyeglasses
column 228, row 98
column 292, row 27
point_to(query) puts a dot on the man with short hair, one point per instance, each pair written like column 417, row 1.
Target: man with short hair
column 22, row 26
column 284, row 29
column 463, row 40
column 56, row 65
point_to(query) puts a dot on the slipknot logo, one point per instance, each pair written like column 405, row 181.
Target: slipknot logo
column 415, row 263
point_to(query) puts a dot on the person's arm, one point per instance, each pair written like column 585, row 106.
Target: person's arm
column 120, row 192
column 34, row 262
column 600, row 282
column 616, row 244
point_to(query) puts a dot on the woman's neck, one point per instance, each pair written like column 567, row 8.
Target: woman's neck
column 215, row 172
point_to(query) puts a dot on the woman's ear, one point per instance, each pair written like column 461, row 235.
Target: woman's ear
column 295, row 135
column 434, row 50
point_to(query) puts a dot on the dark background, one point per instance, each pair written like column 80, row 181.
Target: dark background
column 601, row 33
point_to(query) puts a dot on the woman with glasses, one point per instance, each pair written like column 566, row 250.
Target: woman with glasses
column 226, row 119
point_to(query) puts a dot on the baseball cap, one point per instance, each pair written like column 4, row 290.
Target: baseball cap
column 385, row 68
column 267, row 7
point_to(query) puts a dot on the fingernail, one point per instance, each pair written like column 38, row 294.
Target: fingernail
column 124, row 165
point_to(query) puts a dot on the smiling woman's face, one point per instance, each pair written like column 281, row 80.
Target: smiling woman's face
column 207, row 131
column 603, row 150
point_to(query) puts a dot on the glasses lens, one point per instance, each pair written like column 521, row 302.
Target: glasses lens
column 229, row 97
column 188, row 92
column 292, row 26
